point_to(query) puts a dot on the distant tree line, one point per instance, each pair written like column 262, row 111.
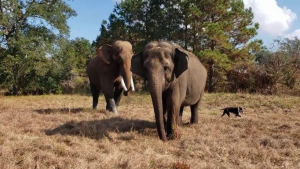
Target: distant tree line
column 35, row 54
column 221, row 33
column 37, row 57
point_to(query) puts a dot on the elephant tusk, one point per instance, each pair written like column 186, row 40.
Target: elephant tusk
column 123, row 85
column 132, row 85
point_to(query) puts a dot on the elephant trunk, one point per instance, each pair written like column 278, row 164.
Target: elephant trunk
column 155, row 87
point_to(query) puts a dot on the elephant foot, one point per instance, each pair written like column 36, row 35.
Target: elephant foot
column 115, row 111
column 109, row 109
column 179, row 122
column 113, row 106
column 175, row 135
column 95, row 106
column 171, row 137
column 194, row 122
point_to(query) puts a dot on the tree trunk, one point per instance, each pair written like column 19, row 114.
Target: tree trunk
column 211, row 74
column 15, row 89
column 186, row 37
column 0, row 6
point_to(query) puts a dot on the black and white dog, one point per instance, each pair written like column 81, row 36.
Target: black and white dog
column 234, row 110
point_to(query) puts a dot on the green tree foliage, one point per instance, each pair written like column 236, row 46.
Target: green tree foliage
column 29, row 30
column 284, row 64
column 140, row 21
column 277, row 70
column 73, row 56
column 215, row 30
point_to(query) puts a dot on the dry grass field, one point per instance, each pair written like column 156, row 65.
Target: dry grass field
column 62, row 131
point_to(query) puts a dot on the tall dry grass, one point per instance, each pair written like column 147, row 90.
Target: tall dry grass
column 62, row 131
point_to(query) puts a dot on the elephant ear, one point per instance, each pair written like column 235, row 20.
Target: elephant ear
column 105, row 53
column 137, row 65
column 180, row 61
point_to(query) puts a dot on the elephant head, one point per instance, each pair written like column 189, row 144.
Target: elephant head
column 161, row 64
column 118, row 56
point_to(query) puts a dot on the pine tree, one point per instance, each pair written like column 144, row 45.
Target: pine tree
column 219, row 31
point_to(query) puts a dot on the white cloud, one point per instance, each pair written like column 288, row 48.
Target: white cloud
column 294, row 34
column 272, row 19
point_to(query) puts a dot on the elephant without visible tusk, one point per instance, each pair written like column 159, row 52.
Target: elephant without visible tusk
column 176, row 78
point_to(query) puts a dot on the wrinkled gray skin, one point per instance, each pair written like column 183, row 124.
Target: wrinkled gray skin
column 106, row 70
column 176, row 78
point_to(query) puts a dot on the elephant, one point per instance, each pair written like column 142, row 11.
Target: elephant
column 109, row 71
column 176, row 78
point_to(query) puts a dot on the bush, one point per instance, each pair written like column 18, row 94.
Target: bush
column 251, row 78
column 76, row 85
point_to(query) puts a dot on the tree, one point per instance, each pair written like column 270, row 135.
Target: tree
column 282, row 65
column 140, row 21
column 73, row 55
column 28, row 32
column 223, row 36
column 215, row 30
column 71, row 59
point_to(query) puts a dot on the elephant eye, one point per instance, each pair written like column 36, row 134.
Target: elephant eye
column 165, row 68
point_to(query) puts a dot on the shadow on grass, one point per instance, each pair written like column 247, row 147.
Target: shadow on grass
column 99, row 129
column 60, row 110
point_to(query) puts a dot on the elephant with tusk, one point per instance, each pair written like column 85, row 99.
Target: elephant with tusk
column 120, row 80
column 109, row 71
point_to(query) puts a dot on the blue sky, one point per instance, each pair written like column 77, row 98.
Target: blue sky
column 277, row 18
column 90, row 14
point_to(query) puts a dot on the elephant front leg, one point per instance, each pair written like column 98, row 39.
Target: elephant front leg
column 117, row 95
column 108, row 90
column 111, row 104
column 173, row 116
column 172, row 127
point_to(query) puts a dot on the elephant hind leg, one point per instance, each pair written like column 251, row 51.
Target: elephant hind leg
column 108, row 106
column 194, row 110
column 95, row 93
column 179, row 122
column 165, row 105
column 194, row 113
